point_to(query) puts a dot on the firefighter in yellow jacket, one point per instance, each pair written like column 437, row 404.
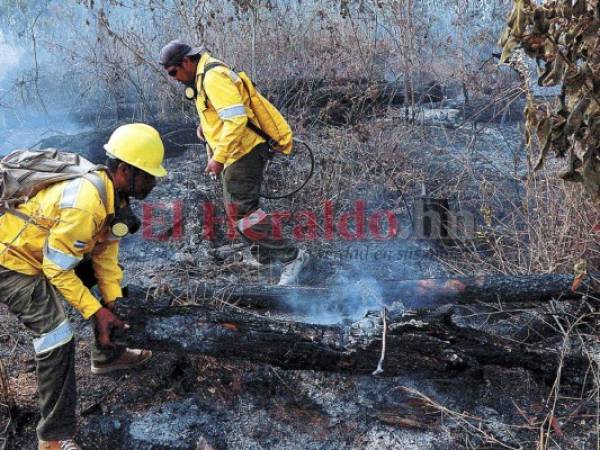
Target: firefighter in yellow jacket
column 239, row 154
column 38, row 269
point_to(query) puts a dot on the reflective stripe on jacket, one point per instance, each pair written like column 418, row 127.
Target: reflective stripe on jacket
column 224, row 110
column 70, row 218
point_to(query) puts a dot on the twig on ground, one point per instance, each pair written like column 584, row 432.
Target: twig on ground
column 471, row 424
column 379, row 369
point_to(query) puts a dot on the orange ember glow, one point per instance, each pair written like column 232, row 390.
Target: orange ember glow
column 230, row 326
column 454, row 286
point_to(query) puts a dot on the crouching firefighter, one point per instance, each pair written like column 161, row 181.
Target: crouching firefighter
column 73, row 212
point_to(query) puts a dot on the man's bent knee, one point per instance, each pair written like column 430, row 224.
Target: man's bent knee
column 58, row 336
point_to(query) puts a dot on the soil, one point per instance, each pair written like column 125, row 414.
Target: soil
column 197, row 402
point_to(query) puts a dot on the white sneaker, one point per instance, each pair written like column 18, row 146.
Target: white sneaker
column 291, row 270
column 248, row 259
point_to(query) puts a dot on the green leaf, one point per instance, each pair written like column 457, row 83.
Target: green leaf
column 554, row 72
column 508, row 48
column 579, row 8
column 540, row 22
column 591, row 174
column 543, row 132
column 575, row 118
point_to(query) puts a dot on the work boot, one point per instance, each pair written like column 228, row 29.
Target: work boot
column 129, row 359
column 69, row 444
column 291, row 270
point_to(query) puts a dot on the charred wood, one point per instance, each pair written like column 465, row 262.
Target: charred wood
column 90, row 143
column 424, row 293
column 419, row 341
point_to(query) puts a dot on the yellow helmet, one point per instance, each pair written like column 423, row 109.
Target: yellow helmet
column 139, row 145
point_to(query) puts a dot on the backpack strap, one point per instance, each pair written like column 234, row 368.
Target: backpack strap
column 98, row 183
column 260, row 132
column 208, row 67
column 255, row 128
column 15, row 212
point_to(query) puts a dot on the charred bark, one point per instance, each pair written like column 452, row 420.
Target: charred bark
column 419, row 341
column 90, row 143
column 411, row 293
column 347, row 101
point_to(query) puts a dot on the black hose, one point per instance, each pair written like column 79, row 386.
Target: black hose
column 310, row 174
column 270, row 197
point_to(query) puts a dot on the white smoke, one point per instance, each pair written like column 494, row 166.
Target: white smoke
column 10, row 56
column 350, row 298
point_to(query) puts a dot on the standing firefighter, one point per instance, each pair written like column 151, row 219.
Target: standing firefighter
column 43, row 244
column 226, row 105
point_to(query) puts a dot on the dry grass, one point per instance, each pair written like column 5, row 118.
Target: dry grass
column 548, row 229
column 7, row 405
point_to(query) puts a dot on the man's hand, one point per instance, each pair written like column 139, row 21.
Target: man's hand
column 112, row 306
column 213, row 167
column 199, row 133
column 105, row 322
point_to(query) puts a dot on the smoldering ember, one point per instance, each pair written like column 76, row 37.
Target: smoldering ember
column 299, row 224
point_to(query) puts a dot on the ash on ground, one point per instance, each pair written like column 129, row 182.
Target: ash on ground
column 195, row 402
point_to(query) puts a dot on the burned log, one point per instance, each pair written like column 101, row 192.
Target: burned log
column 419, row 341
column 345, row 101
column 425, row 293
column 90, row 143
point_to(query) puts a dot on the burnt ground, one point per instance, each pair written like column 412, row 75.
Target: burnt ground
column 196, row 402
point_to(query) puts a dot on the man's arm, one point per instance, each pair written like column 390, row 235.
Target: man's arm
column 63, row 251
column 105, row 260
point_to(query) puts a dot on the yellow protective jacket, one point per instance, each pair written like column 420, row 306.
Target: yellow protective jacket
column 224, row 110
column 70, row 221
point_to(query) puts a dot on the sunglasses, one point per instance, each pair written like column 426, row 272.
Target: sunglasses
column 172, row 72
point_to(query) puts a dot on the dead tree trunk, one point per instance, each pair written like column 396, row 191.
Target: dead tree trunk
column 411, row 293
column 414, row 342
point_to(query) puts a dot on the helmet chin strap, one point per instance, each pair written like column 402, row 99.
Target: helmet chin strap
column 123, row 194
column 132, row 174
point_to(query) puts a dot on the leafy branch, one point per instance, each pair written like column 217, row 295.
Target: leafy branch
column 564, row 39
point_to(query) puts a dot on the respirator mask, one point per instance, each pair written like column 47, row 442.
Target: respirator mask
column 124, row 222
column 190, row 92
